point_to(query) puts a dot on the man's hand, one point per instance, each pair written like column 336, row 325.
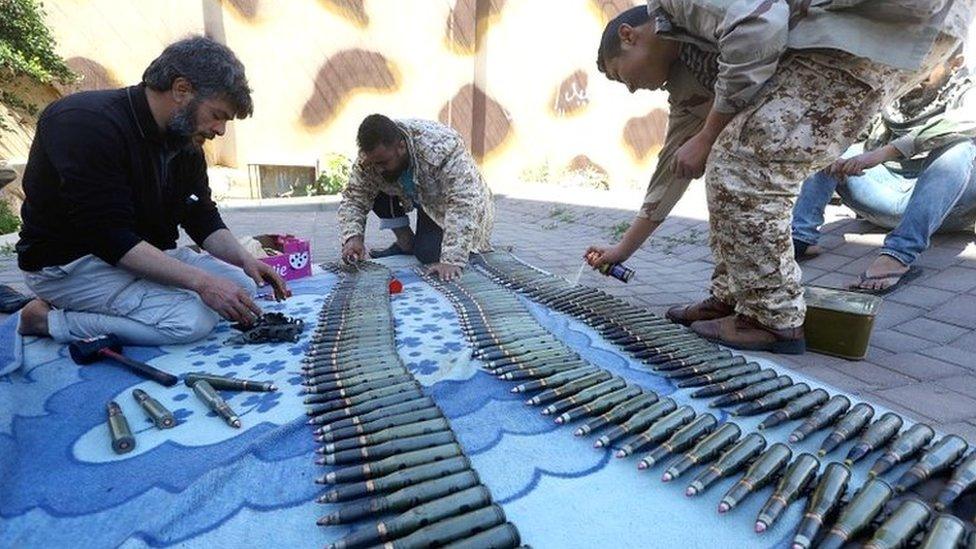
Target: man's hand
column 444, row 271
column 354, row 249
column 228, row 299
column 856, row 165
column 689, row 161
column 596, row 255
column 262, row 273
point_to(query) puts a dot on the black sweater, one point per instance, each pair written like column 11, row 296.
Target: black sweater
column 101, row 177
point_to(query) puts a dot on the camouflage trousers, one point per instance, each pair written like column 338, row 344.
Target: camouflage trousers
column 813, row 108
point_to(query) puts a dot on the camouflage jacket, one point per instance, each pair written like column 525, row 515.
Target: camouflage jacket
column 689, row 100
column 751, row 35
column 918, row 124
column 448, row 185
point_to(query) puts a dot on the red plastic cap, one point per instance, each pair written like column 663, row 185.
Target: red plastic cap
column 395, row 286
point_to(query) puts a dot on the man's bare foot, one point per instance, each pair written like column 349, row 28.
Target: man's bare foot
column 33, row 319
column 883, row 273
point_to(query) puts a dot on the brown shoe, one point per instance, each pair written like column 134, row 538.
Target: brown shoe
column 709, row 309
column 742, row 332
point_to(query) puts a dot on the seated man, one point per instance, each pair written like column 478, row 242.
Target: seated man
column 420, row 163
column 110, row 177
column 914, row 174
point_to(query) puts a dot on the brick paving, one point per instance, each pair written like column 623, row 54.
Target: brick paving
column 922, row 360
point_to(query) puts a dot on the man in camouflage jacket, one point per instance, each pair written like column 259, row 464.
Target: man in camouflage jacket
column 411, row 163
column 792, row 84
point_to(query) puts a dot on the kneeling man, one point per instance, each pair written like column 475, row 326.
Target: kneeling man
column 424, row 164
column 111, row 176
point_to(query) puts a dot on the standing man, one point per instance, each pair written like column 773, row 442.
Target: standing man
column 424, row 164
column 793, row 86
column 110, row 178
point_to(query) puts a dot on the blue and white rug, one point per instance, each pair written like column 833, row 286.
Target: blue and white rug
column 204, row 484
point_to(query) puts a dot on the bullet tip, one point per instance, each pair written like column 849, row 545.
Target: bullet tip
column 723, row 508
column 514, row 390
column 579, row 432
column 621, row 454
column 821, row 452
column 560, row 420
column 848, row 462
column 642, row 465
column 690, row 491
column 236, row 423
column 598, row 444
column 666, row 477
column 273, row 387
column 760, row 527
column 794, row 439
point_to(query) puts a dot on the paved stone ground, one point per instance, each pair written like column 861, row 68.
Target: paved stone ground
column 922, row 359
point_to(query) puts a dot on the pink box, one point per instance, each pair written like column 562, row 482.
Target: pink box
column 294, row 259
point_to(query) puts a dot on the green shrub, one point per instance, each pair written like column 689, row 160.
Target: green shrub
column 26, row 45
column 333, row 177
column 9, row 222
column 27, row 49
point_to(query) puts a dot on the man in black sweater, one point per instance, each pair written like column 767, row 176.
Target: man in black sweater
column 110, row 178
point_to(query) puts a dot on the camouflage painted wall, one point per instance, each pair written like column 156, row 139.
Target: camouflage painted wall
column 516, row 77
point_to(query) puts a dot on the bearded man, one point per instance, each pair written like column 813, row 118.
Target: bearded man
column 111, row 176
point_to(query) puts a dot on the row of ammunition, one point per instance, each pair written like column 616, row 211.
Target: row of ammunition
column 514, row 347
column 390, row 448
column 629, row 418
column 910, row 517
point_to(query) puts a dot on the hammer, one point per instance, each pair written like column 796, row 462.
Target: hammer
column 86, row 351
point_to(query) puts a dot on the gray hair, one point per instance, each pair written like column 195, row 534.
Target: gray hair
column 211, row 68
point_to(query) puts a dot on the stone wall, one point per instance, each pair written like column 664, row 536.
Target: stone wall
column 517, row 78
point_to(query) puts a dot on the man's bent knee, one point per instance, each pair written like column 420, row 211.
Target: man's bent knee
column 246, row 282
column 188, row 323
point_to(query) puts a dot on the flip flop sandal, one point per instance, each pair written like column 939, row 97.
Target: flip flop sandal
column 911, row 274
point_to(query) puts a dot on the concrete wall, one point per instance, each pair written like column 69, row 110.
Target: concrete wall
column 516, row 77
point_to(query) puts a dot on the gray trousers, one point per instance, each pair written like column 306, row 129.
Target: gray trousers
column 90, row 297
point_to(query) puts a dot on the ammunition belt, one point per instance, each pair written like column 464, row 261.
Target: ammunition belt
column 513, row 346
column 389, row 447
